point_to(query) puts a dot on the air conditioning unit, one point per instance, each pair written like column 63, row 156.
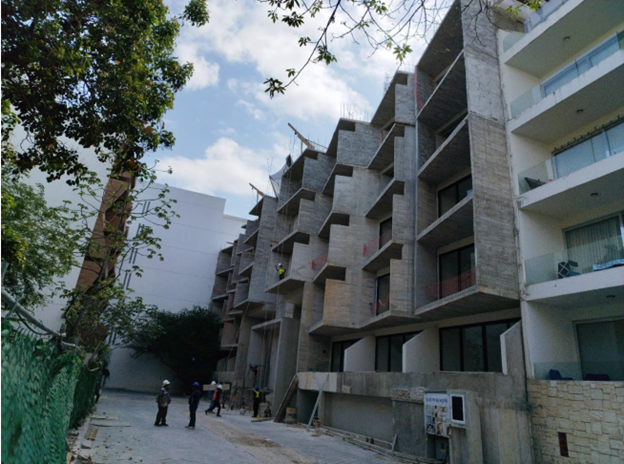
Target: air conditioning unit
column 458, row 409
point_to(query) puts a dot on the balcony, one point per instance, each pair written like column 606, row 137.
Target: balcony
column 339, row 170
column 286, row 245
column 295, row 171
column 291, row 206
column 590, row 258
column 246, row 271
column 595, row 93
column 334, row 217
column 383, row 203
column 257, row 209
column 455, row 224
column 224, row 270
column 380, row 251
column 603, row 145
column 288, row 284
column 448, row 99
column 450, row 159
column 385, row 153
column 591, row 59
column 559, row 30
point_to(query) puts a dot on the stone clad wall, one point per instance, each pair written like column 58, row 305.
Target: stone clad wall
column 590, row 413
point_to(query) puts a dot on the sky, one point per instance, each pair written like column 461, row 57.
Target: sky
column 229, row 133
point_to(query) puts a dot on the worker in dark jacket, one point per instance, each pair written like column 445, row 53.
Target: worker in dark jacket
column 163, row 399
column 257, row 397
column 193, row 404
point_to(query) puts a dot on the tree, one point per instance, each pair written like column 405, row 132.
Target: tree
column 38, row 241
column 101, row 74
column 187, row 342
column 381, row 25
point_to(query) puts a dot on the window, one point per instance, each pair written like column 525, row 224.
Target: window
column 385, row 232
column 389, row 352
column 473, row 348
column 453, row 194
column 595, row 246
column 456, row 271
column 337, row 357
column 601, row 349
column 382, row 294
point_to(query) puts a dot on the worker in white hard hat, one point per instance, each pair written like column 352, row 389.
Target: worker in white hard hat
column 163, row 399
column 212, row 388
column 281, row 272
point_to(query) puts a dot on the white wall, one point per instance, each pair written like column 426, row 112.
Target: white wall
column 361, row 355
column 185, row 278
column 422, row 353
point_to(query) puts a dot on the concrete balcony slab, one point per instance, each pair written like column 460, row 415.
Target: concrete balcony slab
column 451, row 158
column 576, row 192
column 287, row 285
column 390, row 318
column 287, row 243
column 253, row 238
column 382, row 257
column 295, row 172
column 334, row 217
column 586, row 290
column 330, row 329
column 246, row 271
column 578, row 103
column 455, row 224
column 330, row 271
column 220, row 297
column 338, row 170
column 257, row 209
column 542, row 49
column 385, row 153
column 383, row 203
column 448, row 99
column 291, row 206
column 225, row 270
column 466, row 302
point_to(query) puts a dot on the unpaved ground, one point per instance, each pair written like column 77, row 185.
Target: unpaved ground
column 233, row 439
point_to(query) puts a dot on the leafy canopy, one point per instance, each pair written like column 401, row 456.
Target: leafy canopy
column 101, row 73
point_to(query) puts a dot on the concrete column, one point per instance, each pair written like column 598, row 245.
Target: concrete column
column 361, row 355
column 422, row 353
column 286, row 364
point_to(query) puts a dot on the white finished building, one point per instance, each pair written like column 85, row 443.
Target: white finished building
column 563, row 83
column 185, row 277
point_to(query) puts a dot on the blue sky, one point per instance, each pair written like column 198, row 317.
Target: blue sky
column 228, row 132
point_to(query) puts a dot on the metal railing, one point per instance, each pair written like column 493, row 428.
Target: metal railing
column 372, row 246
column 319, row 262
column 452, row 285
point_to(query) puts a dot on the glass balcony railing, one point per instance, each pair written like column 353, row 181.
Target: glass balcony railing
column 591, row 257
column 567, row 74
column 547, row 9
column 607, row 143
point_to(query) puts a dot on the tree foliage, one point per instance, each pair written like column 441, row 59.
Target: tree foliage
column 382, row 25
column 100, row 73
column 38, row 241
column 187, row 342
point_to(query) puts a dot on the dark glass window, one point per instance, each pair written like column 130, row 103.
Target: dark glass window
column 456, row 271
column 473, row 348
column 389, row 352
column 385, row 232
column 337, row 355
column 382, row 293
column 453, row 194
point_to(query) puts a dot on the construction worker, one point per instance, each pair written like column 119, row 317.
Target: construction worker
column 257, row 396
column 193, row 404
column 163, row 399
column 216, row 401
column 212, row 384
column 281, row 272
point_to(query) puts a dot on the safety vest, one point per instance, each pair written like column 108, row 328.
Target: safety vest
column 281, row 271
column 257, row 393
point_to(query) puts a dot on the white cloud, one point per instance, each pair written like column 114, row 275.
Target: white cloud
column 205, row 73
column 225, row 168
column 257, row 113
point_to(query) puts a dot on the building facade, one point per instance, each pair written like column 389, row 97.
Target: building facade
column 562, row 77
column 465, row 244
column 184, row 278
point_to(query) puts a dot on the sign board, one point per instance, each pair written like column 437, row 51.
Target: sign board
column 437, row 414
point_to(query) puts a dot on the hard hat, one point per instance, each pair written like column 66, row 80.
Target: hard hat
column 196, row 384
column 213, row 383
column 165, row 382
column 220, row 386
column 279, row 264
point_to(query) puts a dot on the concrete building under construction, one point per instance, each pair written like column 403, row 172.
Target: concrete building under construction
column 402, row 304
